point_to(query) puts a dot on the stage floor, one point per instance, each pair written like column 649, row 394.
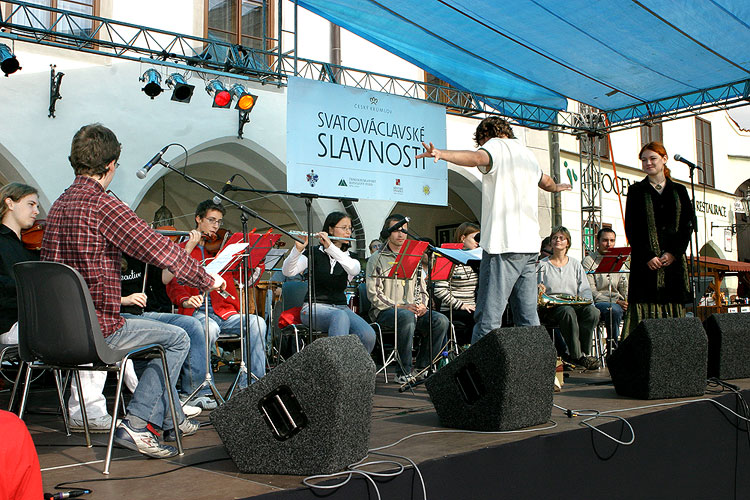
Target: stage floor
column 205, row 471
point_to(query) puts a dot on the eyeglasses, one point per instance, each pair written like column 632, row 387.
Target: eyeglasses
column 345, row 228
column 218, row 222
column 559, row 237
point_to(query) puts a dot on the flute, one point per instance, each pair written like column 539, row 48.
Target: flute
column 303, row 233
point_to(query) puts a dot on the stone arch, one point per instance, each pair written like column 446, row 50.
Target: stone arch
column 215, row 161
column 12, row 170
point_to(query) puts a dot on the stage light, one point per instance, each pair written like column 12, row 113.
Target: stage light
column 8, row 62
column 245, row 100
column 181, row 90
column 222, row 97
column 153, row 83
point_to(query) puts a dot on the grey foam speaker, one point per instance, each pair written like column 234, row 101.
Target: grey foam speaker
column 728, row 345
column 662, row 358
column 324, row 423
column 503, row 382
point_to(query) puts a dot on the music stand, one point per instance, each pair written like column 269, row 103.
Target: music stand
column 258, row 247
column 404, row 266
column 611, row 262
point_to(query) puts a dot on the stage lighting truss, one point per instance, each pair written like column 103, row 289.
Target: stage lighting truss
column 8, row 62
column 245, row 100
column 181, row 90
column 153, row 83
column 221, row 96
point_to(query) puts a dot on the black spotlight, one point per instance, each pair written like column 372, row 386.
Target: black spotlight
column 222, row 97
column 153, row 83
column 181, row 90
column 8, row 62
column 245, row 100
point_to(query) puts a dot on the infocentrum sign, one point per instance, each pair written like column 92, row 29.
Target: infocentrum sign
column 359, row 143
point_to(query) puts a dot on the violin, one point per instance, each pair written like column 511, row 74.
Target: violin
column 32, row 237
column 212, row 243
column 168, row 228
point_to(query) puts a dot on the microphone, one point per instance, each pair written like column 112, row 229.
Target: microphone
column 227, row 185
column 143, row 172
column 687, row 162
column 397, row 226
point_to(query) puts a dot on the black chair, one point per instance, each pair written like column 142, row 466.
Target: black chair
column 58, row 329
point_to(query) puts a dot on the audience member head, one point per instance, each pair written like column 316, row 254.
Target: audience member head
column 605, row 239
column 560, row 239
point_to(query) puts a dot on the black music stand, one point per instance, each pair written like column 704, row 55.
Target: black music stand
column 612, row 262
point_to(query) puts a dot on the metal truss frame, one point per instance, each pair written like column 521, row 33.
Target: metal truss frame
column 69, row 30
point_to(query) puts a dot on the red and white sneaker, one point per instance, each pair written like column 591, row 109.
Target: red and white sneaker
column 144, row 440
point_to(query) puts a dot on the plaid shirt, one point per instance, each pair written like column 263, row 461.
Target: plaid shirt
column 87, row 229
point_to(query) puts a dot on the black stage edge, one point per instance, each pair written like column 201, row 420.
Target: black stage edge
column 692, row 451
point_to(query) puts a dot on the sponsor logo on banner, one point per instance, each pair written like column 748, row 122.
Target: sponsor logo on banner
column 426, row 189
column 312, row 178
column 398, row 182
column 342, row 183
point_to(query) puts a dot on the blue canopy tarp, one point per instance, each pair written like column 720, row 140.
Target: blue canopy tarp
column 610, row 54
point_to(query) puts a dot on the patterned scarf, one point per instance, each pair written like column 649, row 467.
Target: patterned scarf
column 653, row 236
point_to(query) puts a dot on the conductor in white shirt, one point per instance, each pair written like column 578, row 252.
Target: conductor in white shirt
column 510, row 224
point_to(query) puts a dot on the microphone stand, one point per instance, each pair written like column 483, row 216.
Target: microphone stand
column 308, row 197
column 694, row 271
column 244, row 266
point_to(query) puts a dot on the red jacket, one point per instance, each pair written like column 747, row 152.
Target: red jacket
column 224, row 308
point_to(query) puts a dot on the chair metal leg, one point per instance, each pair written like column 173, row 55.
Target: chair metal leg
column 172, row 409
column 25, row 394
column 21, row 366
column 60, row 391
column 113, row 425
column 82, row 404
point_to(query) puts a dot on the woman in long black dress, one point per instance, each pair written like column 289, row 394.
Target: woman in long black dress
column 658, row 224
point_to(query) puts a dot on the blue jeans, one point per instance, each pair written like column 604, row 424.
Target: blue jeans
column 231, row 326
column 613, row 327
column 149, row 400
column 504, row 278
column 193, row 371
column 340, row 320
column 408, row 325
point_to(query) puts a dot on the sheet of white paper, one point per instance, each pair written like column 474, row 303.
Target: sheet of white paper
column 225, row 257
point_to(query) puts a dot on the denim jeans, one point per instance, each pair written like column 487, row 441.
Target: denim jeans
column 408, row 325
column 231, row 326
column 340, row 320
column 149, row 400
column 613, row 327
column 504, row 278
column 193, row 371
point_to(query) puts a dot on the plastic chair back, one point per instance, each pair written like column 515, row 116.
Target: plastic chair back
column 293, row 294
column 57, row 321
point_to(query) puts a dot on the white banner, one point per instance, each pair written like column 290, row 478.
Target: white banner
column 357, row 143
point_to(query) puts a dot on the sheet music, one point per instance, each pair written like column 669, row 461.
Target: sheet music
column 226, row 256
column 462, row 256
column 273, row 257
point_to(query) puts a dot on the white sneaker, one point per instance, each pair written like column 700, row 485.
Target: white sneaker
column 143, row 441
column 191, row 411
column 188, row 427
column 403, row 379
column 96, row 425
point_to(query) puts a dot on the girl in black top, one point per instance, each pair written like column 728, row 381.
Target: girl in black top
column 18, row 210
column 658, row 224
column 334, row 267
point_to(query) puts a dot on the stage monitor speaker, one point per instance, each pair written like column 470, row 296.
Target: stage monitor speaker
column 728, row 345
column 310, row 415
column 502, row 382
column 662, row 358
